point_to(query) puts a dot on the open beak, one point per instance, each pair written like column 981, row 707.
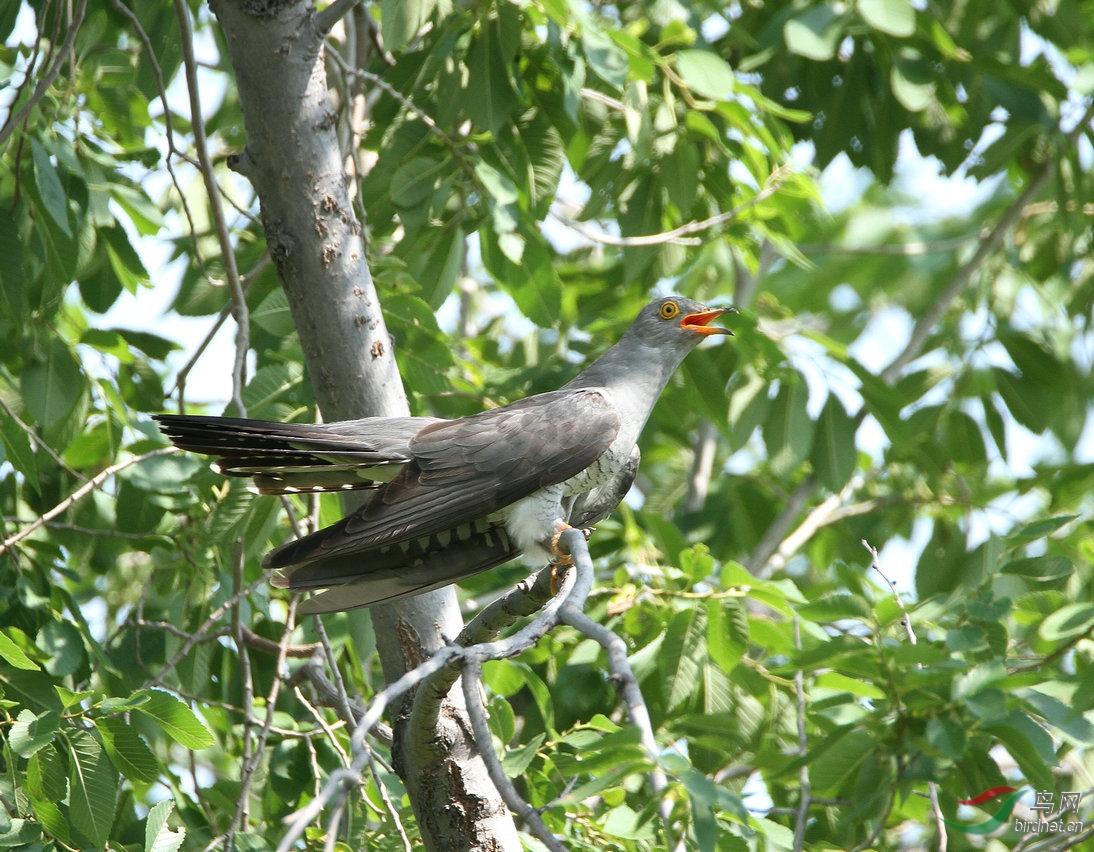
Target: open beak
column 699, row 323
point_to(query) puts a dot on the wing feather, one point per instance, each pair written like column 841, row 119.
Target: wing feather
column 467, row 469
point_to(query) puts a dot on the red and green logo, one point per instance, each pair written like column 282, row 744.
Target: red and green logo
column 989, row 825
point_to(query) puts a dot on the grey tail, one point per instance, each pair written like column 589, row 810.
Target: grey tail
column 388, row 572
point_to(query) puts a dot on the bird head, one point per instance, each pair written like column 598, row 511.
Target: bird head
column 677, row 322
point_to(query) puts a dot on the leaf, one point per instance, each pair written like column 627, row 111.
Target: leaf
column 49, row 187
column 1070, row 620
column 815, row 33
column 1038, row 529
column 682, row 653
column 946, row 735
column 13, row 297
column 1030, row 746
column 895, row 17
column 63, row 646
column 834, row 607
column 401, row 20
column 854, row 686
column 46, row 775
column 415, row 181
column 1043, row 568
column 605, row 57
column 157, row 836
column 14, row 654
column 705, row 72
column 727, row 632
column 839, row 759
column 834, row 454
column 788, row 432
column 176, row 719
column 490, row 97
column 33, row 732
column 52, row 386
column 127, row 751
column 92, row 788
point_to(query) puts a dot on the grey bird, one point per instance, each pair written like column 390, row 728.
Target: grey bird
column 452, row 498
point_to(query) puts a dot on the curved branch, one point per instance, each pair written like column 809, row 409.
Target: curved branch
column 50, row 75
column 81, row 492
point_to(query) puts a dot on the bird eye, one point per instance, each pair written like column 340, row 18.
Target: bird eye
column 668, row 310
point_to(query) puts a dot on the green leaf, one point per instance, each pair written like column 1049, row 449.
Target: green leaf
column 13, row 297
column 92, row 788
column 895, row 17
column 14, row 654
column 963, row 439
column 52, row 818
column 1038, row 529
column 176, row 719
column 534, row 285
column 401, row 20
column 32, row 732
column 1070, row 620
column 683, row 650
column 63, row 646
column 605, row 57
column 1043, row 568
column 49, row 188
column 415, row 181
column 788, row 432
column 52, row 386
column 126, row 750
column 839, row 759
column 1028, row 402
column 490, row 98
column 946, row 735
column 834, row 454
column 705, row 72
column 854, row 686
column 815, row 33
column 727, row 632
column 834, row 607
column 47, row 775
column 158, row 837
column 516, row 761
column 1029, row 744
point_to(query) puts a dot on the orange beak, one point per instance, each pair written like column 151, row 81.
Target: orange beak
column 699, row 322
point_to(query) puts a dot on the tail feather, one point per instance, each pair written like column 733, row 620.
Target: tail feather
column 390, row 572
column 284, row 458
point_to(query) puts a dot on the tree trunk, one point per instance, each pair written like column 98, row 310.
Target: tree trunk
column 293, row 161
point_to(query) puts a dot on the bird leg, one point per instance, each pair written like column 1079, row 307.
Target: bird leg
column 563, row 560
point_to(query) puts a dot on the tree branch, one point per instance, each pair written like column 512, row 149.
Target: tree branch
column 50, row 75
column 212, row 190
column 81, row 492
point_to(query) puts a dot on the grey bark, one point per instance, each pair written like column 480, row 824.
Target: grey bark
column 293, row 161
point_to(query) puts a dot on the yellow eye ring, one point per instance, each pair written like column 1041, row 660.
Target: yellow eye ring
column 668, row 310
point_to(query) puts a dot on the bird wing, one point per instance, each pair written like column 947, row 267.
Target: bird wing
column 284, row 458
column 465, row 470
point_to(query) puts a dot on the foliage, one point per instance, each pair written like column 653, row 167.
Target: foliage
column 913, row 375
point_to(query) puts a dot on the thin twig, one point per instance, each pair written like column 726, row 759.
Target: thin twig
column 327, row 18
column 678, row 236
column 905, row 619
column 81, row 492
column 573, row 594
column 804, row 797
column 37, row 441
column 470, row 679
column 212, row 190
column 50, row 75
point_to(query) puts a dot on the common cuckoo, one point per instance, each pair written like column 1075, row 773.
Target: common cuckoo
column 451, row 498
